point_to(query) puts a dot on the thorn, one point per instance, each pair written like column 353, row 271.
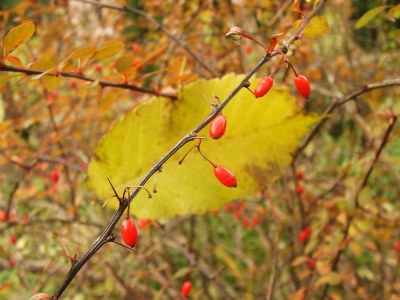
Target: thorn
column 115, row 192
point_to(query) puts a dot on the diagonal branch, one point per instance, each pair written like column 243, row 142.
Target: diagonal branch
column 339, row 102
column 187, row 138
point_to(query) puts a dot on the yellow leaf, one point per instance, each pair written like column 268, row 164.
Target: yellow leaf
column 332, row 278
column 124, row 63
column 77, row 54
column 108, row 50
column 299, row 294
column 369, row 15
column 258, row 143
column 17, row 36
column 300, row 260
column 318, row 26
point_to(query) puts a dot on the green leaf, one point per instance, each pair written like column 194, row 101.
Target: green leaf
column 17, row 36
column 257, row 145
column 318, row 26
column 369, row 15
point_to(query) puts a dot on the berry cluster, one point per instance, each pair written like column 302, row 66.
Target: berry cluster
column 301, row 83
column 238, row 210
column 217, row 130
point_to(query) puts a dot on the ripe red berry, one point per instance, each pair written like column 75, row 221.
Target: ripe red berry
column 129, row 232
column 300, row 175
column 264, row 86
column 305, row 234
column 229, row 207
column 25, row 218
column 303, row 86
column 54, row 176
column 98, row 68
column 135, row 47
column 11, row 263
column 13, row 239
column 396, row 246
column 3, row 216
column 136, row 62
column 248, row 49
column 218, row 126
column 255, row 221
column 143, row 223
column 186, row 288
column 225, row 176
column 238, row 215
column 311, row 264
column 245, row 223
column 214, row 212
column 300, row 189
column 73, row 84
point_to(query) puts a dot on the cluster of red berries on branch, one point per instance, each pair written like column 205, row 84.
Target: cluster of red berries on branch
column 301, row 82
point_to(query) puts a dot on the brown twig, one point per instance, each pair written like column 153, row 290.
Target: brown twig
column 158, row 26
column 102, row 83
column 339, row 102
column 363, row 184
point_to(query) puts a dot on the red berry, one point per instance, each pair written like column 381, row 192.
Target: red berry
column 136, row 62
column 3, row 216
column 13, row 239
column 240, row 206
column 303, row 86
column 238, row 215
column 218, row 126
column 300, row 175
column 143, row 223
column 245, row 223
column 255, row 221
column 135, row 47
column 11, row 263
column 225, row 176
column 396, row 246
column 305, row 234
column 98, row 68
column 300, row 189
column 248, row 49
column 311, row 264
column 229, row 207
column 129, row 232
column 73, row 84
column 214, row 212
column 186, row 288
column 264, row 86
column 25, row 218
column 54, row 176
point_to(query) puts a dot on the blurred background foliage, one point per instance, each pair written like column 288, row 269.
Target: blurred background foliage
column 250, row 249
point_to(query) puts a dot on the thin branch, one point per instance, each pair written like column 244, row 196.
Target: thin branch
column 363, row 184
column 102, row 83
column 187, row 138
column 337, row 103
column 158, row 26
